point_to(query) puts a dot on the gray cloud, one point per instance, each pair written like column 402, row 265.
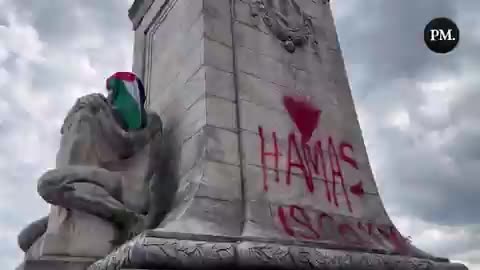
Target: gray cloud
column 419, row 114
column 390, row 36
column 49, row 55
column 65, row 23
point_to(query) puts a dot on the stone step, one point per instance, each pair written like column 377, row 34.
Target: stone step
column 57, row 263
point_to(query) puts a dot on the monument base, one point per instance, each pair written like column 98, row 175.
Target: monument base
column 160, row 250
column 77, row 234
column 57, row 263
column 73, row 241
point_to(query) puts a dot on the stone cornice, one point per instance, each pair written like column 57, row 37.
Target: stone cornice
column 138, row 10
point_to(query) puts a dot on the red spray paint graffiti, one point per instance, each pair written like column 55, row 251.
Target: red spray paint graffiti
column 320, row 158
column 304, row 115
column 263, row 154
column 298, row 162
column 310, row 159
column 313, row 225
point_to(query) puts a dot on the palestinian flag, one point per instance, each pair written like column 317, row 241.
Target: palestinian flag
column 128, row 99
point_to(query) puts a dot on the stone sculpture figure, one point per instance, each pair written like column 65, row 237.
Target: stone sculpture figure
column 102, row 169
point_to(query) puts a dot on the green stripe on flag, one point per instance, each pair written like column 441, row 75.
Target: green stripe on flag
column 126, row 101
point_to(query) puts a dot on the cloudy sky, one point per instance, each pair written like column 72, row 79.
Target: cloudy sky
column 418, row 110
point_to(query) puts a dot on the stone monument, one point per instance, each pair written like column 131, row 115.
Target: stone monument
column 262, row 163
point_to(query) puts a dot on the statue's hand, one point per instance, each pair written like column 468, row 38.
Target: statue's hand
column 154, row 125
column 144, row 136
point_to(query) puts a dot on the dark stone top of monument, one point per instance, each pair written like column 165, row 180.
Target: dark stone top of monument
column 138, row 10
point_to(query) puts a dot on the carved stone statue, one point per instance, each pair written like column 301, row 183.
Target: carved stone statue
column 108, row 160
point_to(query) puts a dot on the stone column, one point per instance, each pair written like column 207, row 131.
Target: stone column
column 183, row 49
column 217, row 98
column 266, row 145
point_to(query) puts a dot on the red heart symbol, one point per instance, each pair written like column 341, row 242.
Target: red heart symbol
column 303, row 114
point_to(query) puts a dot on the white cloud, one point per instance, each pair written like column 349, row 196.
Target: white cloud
column 400, row 119
column 40, row 78
column 21, row 39
column 420, row 116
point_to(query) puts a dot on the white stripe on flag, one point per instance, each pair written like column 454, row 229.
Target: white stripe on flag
column 132, row 88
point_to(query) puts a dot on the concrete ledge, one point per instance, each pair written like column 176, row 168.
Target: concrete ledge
column 57, row 263
column 155, row 252
column 138, row 10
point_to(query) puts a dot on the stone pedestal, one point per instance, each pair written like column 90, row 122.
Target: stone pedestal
column 73, row 241
column 57, row 263
column 77, row 234
column 188, row 71
column 268, row 151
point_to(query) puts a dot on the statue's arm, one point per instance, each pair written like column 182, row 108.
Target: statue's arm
column 139, row 139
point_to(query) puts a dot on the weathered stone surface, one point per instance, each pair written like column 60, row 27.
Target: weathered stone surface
column 219, row 83
column 222, row 145
column 221, row 113
column 296, row 193
column 217, row 24
column 182, row 251
column 221, row 181
column 265, row 67
column 269, row 157
column 280, row 164
column 58, row 263
column 206, row 215
column 218, row 55
column 75, row 233
column 137, row 11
